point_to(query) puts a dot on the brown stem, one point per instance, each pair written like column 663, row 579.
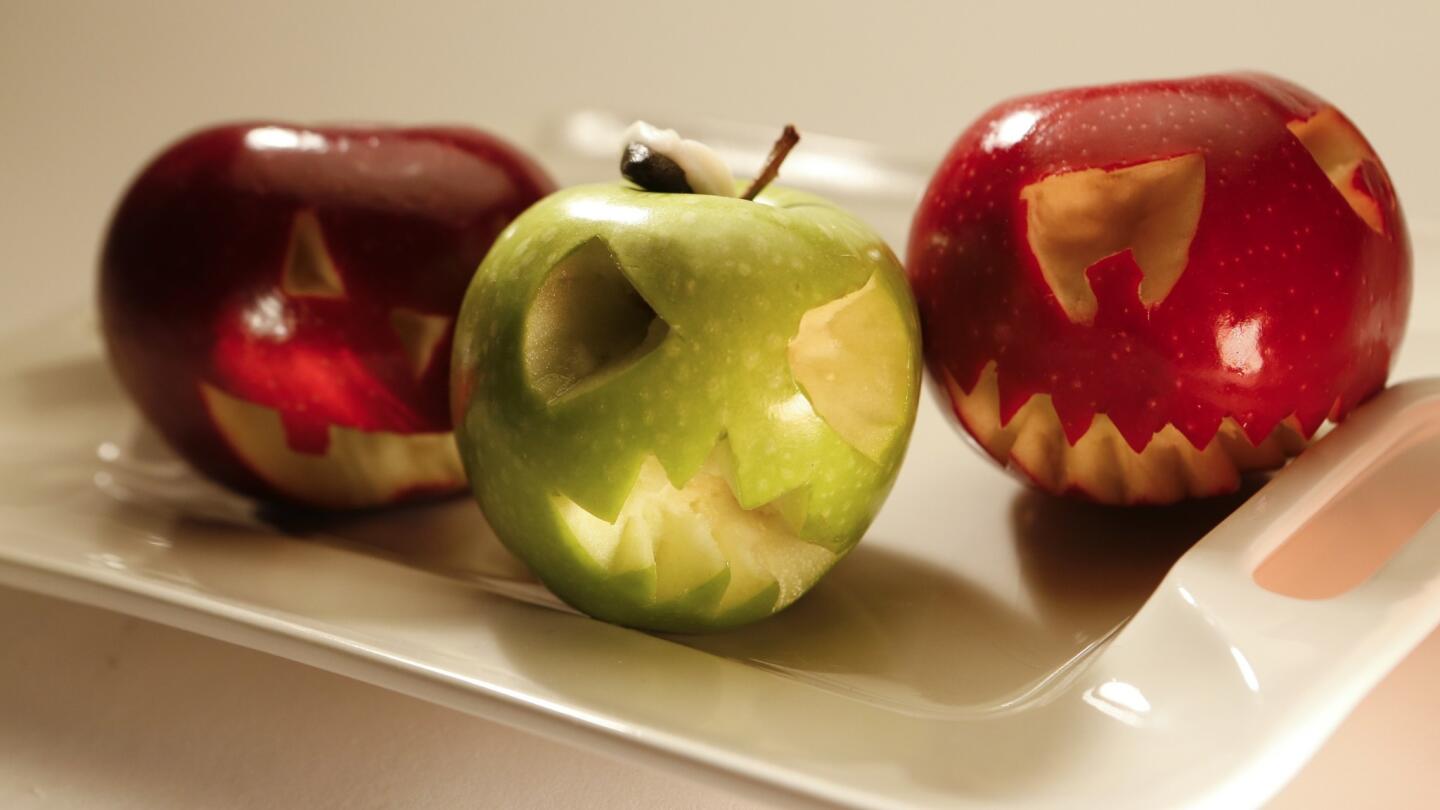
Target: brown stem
column 782, row 147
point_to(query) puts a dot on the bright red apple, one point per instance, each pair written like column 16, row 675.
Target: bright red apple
column 1137, row 292
column 280, row 300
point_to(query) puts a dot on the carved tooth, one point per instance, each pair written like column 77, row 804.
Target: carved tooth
column 1035, row 449
column 1336, row 409
column 635, row 550
column 1193, row 477
column 599, row 538
column 686, row 554
column 690, row 534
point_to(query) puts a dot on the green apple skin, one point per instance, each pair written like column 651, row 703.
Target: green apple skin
column 732, row 279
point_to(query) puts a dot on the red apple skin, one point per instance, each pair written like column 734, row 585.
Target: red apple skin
column 1277, row 248
column 193, row 288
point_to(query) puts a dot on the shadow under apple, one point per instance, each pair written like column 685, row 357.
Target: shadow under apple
column 893, row 630
column 158, row 518
column 1088, row 567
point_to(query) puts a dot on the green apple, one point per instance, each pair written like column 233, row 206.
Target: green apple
column 680, row 410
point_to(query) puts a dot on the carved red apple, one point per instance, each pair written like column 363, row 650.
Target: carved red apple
column 1137, row 292
column 279, row 301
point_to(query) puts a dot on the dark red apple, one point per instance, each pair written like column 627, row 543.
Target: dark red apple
column 280, row 300
column 1137, row 292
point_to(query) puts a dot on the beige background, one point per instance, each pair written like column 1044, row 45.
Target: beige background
column 99, row 710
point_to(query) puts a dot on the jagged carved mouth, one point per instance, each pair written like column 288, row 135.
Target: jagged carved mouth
column 356, row 469
column 698, row 541
column 1101, row 464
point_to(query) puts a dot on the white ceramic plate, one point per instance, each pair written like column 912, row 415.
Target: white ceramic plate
column 984, row 646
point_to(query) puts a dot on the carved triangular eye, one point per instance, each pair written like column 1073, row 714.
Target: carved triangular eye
column 1078, row 218
column 587, row 322
column 1339, row 150
column 309, row 271
column 851, row 356
column 420, row 333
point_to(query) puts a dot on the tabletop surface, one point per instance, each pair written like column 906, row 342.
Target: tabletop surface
column 103, row 710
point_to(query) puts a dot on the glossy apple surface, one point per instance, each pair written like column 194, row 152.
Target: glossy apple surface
column 279, row 301
column 1137, row 292
column 681, row 409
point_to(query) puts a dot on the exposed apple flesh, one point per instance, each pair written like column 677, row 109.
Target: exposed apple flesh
column 1136, row 292
column 1076, row 219
column 279, row 301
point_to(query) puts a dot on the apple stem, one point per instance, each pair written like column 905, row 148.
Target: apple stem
column 782, row 147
